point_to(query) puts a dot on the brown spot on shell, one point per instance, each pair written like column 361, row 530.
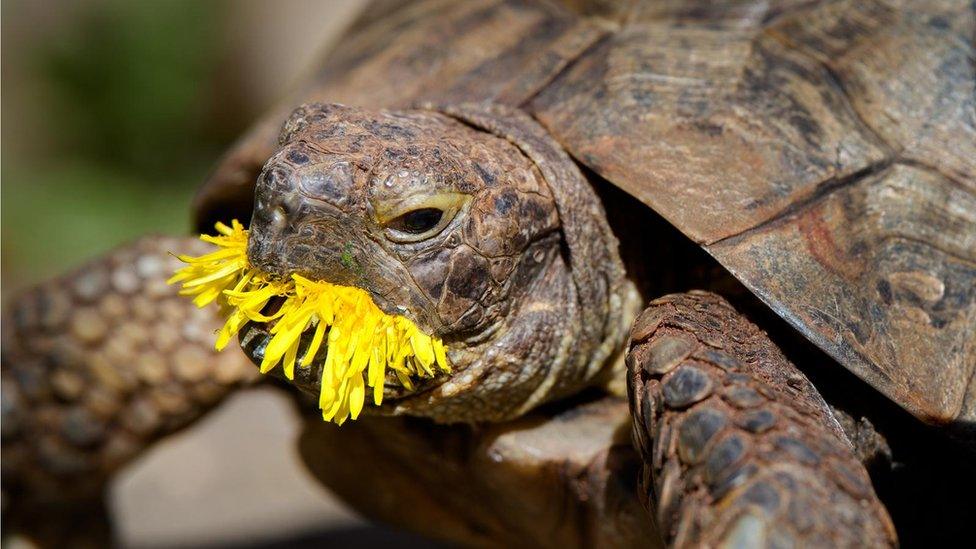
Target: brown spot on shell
column 924, row 286
column 822, row 245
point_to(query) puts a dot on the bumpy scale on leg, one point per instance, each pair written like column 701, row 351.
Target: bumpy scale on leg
column 97, row 365
column 738, row 446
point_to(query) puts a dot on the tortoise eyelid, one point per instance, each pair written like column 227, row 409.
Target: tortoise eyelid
column 396, row 224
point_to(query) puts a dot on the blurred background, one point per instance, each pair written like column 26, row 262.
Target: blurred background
column 113, row 112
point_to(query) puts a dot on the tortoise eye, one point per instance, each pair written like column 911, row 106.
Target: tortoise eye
column 417, row 221
column 419, row 217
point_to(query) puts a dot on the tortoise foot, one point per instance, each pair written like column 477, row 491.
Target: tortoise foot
column 738, row 447
column 97, row 365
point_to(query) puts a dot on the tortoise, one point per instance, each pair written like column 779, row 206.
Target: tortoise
column 518, row 178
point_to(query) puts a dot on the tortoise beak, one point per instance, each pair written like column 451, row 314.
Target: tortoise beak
column 299, row 228
column 255, row 336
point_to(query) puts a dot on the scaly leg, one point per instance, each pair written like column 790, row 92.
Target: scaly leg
column 738, row 446
column 97, row 365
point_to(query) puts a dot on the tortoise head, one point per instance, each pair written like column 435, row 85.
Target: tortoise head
column 470, row 222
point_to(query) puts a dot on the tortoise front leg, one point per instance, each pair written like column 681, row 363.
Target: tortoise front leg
column 738, row 446
column 97, row 365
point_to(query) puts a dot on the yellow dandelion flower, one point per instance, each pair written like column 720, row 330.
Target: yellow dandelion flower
column 206, row 277
column 353, row 338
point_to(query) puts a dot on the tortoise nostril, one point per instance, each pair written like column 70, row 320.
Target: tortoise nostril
column 297, row 157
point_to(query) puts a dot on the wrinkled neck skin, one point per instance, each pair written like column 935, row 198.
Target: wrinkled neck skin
column 522, row 279
column 536, row 354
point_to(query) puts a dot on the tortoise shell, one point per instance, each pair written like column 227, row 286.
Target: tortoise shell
column 823, row 152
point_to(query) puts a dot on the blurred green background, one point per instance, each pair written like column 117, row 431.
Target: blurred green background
column 122, row 127
column 114, row 110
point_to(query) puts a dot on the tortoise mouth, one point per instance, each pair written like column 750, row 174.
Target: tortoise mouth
column 255, row 336
column 290, row 320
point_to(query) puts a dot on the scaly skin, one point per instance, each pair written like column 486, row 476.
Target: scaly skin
column 520, row 278
column 97, row 365
column 523, row 282
column 738, row 447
